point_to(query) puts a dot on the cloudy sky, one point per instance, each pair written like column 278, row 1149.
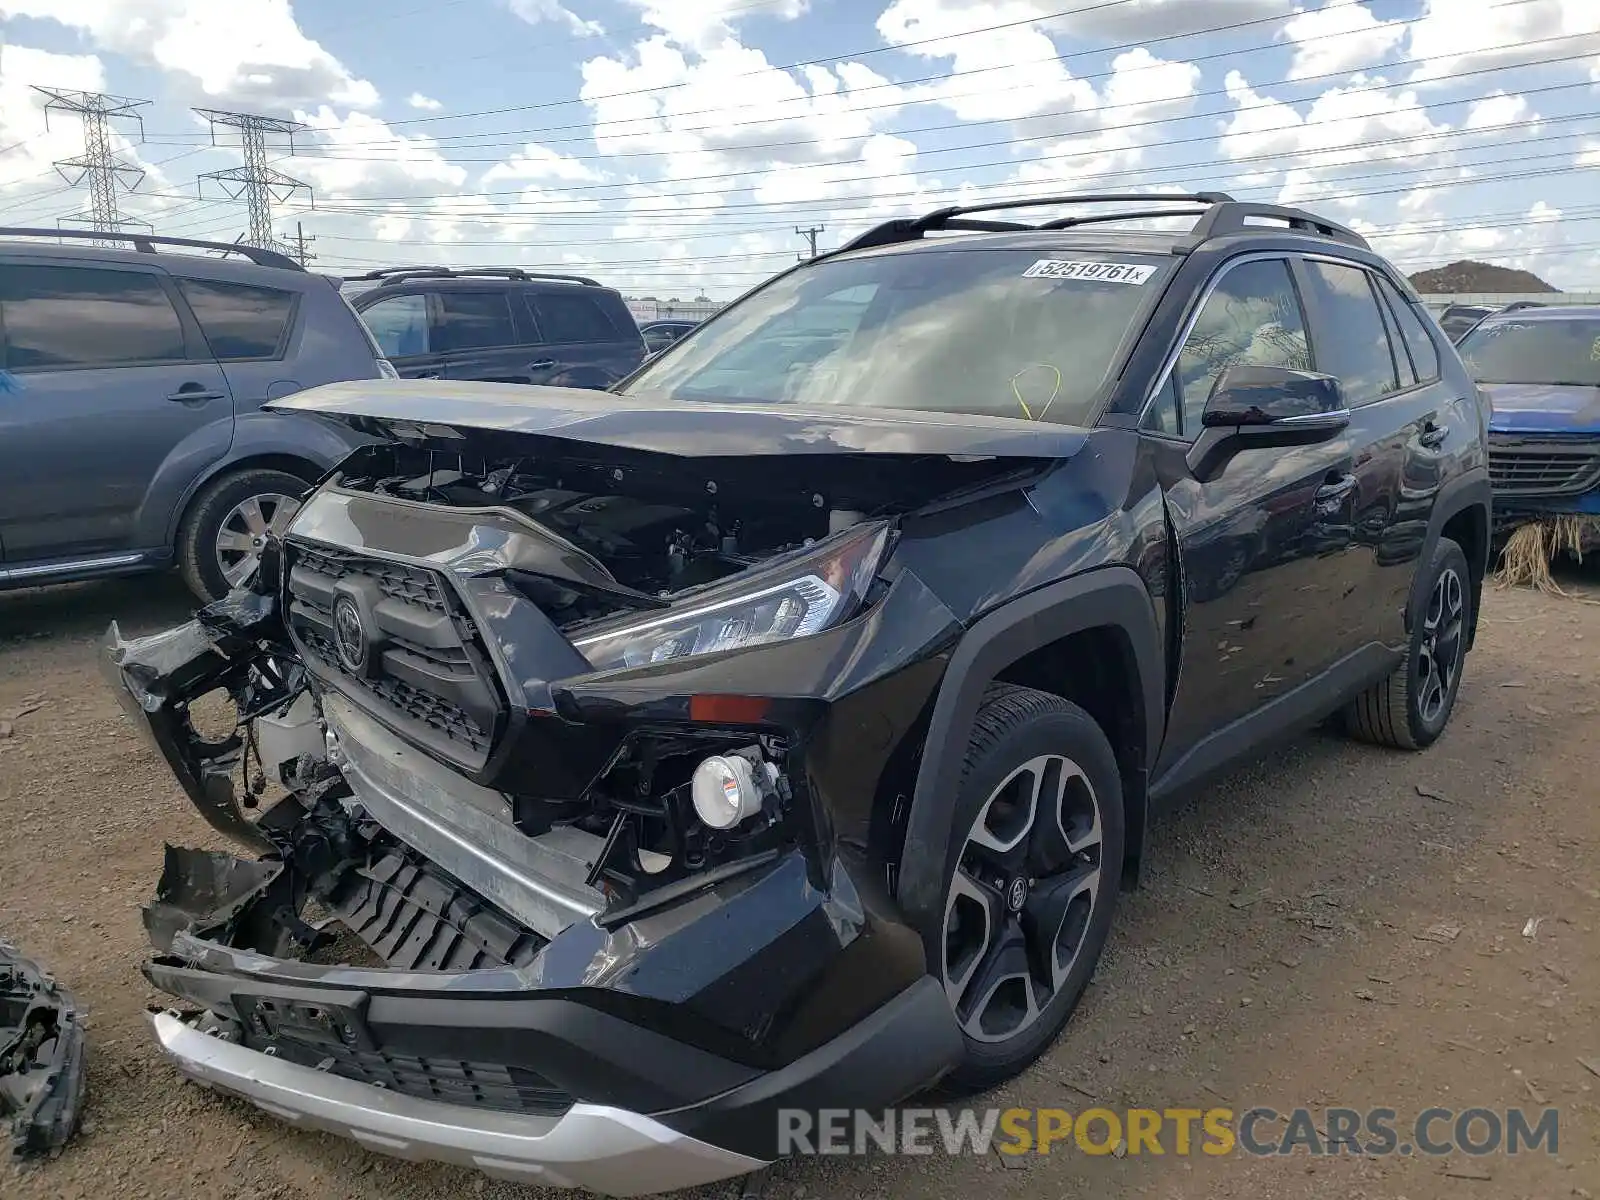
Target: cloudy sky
column 673, row 146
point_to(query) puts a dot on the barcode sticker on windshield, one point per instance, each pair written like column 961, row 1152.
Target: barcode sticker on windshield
column 1091, row 272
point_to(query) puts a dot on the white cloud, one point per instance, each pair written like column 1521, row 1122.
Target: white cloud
column 706, row 24
column 249, row 52
column 535, row 12
column 541, row 164
column 425, row 103
column 1477, row 35
column 1338, row 38
column 1497, row 110
column 1001, row 74
column 1361, row 127
column 725, row 109
column 360, row 154
column 1123, row 21
column 35, row 143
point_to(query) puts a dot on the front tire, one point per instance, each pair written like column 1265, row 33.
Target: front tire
column 1031, row 879
column 1410, row 709
column 226, row 526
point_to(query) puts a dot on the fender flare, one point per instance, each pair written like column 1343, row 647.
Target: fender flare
column 1470, row 490
column 1106, row 597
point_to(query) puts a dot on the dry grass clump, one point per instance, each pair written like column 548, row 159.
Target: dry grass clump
column 1531, row 549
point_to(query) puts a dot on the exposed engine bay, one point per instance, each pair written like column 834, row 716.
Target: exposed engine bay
column 652, row 534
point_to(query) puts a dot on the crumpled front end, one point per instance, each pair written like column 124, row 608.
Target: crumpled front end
column 485, row 917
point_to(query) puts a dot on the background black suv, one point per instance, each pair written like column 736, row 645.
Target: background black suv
column 499, row 325
column 792, row 719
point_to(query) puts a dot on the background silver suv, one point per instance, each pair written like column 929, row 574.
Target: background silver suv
column 131, row 383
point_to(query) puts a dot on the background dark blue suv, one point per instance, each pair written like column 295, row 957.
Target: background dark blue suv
column 499, row 325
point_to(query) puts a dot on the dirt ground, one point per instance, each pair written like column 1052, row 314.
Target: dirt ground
column 1273, row 956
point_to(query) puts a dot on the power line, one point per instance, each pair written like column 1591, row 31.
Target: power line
column 1113, row 178
column 1441, row 225
column 592, row 129
column 1156, row 122
column 256, row 181
column 99, row 163
column 810, row 62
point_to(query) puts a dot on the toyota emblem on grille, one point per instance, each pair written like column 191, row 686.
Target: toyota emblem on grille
column 350, row 635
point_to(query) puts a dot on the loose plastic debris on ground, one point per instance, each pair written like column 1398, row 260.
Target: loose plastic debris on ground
column 42, row 1060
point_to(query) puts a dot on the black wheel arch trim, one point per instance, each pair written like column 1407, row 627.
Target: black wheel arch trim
column 1468, row 490
column 1108, row 597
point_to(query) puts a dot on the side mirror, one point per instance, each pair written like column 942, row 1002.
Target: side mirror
column 1256, row 407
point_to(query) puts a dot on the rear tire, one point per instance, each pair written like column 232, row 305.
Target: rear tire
column 1031, row 878
column 223, row 512
column 1410, row 709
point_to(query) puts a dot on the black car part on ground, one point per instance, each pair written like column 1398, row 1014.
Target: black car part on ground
column 41, row 1056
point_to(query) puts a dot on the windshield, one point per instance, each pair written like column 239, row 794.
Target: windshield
column 1547, row 350
column 986, row 332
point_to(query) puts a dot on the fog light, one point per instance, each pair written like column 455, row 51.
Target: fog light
column 726, row 790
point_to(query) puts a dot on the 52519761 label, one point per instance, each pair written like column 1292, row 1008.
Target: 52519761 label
column 1089, row 272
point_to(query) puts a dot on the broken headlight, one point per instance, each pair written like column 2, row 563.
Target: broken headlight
column 811, row 591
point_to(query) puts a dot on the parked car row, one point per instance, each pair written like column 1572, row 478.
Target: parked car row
column 132, row 434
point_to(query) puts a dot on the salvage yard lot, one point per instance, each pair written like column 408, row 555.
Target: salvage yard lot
column 1272, row 957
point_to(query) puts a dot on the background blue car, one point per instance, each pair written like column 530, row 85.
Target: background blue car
column 1539, row 366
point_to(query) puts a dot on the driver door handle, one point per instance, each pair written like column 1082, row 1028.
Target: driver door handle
column 541, row 364
column 195, row 391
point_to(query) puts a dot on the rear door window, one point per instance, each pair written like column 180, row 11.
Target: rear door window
column 240, row 321
column 400, row 324
column 60, row 318
column 478, row 320
column 1351, row 338
column 564, row 318
column 1424, row 354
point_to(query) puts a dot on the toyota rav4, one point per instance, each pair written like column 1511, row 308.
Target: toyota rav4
column 778, row 730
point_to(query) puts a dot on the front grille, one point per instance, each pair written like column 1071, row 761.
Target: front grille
column 423, row 671
column 476, row 1085
column 1528, row 467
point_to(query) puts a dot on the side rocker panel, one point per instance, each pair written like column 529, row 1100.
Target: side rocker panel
column 1111, row 596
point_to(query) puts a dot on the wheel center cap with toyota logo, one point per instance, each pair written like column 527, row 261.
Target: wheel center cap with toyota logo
column 1017, row 894
column 350, row 635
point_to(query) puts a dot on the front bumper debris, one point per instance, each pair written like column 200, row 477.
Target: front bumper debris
column 399, row 963
column 41, row 1057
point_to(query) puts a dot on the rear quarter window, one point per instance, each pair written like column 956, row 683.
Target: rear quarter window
column 241, row 321
column 573, row 318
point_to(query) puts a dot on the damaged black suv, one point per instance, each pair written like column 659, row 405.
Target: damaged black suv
column 777, row 731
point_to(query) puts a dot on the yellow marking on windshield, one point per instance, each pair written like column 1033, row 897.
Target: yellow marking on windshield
column 1017, row 392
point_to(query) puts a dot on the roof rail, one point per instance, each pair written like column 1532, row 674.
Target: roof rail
column 146, row 243
column 910, row 229
column 1235, row 216
column 1218, row 214
column 1515, row 306
column 395, row 274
